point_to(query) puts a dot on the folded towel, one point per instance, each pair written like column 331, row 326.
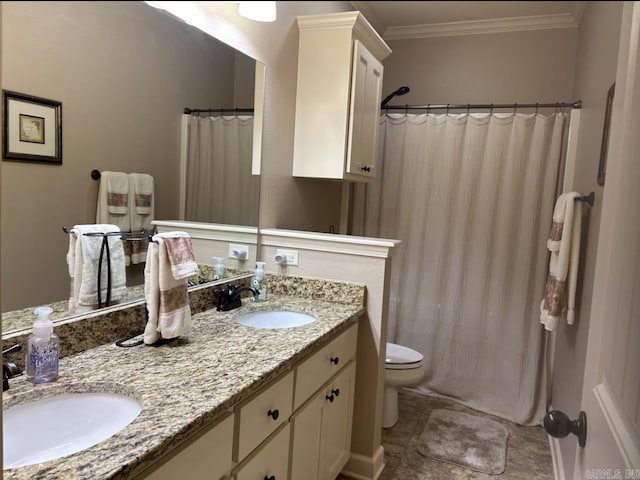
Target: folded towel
column 117, row 184
column 83, row 259
column 113, row 202
column 142, row 186
column 564, row 247
column 141, row 211
column 180, row 252
column 166, row 297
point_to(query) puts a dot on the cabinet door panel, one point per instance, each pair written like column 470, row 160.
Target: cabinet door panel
column 364, row 121
column 337, row 416
column 305, row 451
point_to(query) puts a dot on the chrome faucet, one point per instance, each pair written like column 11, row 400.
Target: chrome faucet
column 9, row 368
column 229, row 298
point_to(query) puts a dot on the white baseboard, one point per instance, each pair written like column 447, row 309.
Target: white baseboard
column 556, row 458
column 361, row 467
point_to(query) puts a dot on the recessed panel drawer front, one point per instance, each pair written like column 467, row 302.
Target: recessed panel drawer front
column 322, row 365
column 264, row 413
column 271, row 461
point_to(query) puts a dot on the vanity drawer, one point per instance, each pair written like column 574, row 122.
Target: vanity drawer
column 270, row 461
column 263, row 413
column 313, row 372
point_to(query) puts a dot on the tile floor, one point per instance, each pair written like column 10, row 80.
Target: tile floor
column 528, row 454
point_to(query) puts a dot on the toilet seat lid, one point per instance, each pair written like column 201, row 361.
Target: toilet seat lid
column 400, row 355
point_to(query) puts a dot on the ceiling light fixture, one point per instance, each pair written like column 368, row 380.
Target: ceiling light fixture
column 259, row 11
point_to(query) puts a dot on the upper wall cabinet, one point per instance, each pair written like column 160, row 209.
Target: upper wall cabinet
column 338, row 97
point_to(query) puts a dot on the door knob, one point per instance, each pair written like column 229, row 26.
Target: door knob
column 558, row 425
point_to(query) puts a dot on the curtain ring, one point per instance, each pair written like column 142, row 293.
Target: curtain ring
column 536, row 108
column 468, row 107
column 406, row 109
column 491, row 109
column 515, row 108
column 447, row 109
column 428, row 108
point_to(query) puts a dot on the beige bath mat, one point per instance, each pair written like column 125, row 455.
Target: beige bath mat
column 466, row 440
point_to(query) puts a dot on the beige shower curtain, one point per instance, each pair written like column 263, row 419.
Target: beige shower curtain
column 471, row 198
column 220, row 187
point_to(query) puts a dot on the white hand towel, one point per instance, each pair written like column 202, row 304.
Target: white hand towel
column 142, row 186
column 564, row 246
column 152, row 294
column 141, row 211
column 180, row 252
column 113, row 202
column 167, row 297
column 83, row 259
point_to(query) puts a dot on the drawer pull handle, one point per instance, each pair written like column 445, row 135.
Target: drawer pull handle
column 272, row 477
column 334, row 360
column 330, row 398
column 335, row 392
column 273, row 414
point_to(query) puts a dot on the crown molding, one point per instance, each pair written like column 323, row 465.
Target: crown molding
column 476, row 27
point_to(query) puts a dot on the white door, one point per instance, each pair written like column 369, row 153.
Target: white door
column 611, row 392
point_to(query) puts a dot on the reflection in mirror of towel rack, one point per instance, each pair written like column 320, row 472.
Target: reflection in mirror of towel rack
column 124, row 235
column 587, row 198
column 188, row 110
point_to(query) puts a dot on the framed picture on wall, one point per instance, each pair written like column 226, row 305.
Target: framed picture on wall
column 602, row 166
column 32, row 128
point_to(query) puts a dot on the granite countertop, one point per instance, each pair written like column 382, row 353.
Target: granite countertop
column 182, row 386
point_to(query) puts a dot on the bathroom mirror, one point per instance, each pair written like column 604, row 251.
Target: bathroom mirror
column 124, row 73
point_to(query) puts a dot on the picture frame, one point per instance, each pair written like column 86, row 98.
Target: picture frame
column 31, row 128
column 602, row 166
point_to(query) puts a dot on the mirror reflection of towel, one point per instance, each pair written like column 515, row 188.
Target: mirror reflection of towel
column 83, row 258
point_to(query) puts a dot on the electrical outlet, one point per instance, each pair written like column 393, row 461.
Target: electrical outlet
column 239, row 252
column 290, row 255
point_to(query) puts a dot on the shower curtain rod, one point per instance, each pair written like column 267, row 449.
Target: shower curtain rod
column 188, row 110
column 491, row 106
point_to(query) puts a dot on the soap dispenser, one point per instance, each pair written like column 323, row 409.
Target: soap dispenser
column 43, row 349
column 218, row 268
column 259, row 282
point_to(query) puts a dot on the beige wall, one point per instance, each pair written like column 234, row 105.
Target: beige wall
column 524, row 67
column 595, row 72
column 123, row 72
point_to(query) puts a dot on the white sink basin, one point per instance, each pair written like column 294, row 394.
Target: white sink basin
column 275, row 319
column 58, row 426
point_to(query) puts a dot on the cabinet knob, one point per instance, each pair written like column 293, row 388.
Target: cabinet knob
column 334, row 360
column 272, row 477
column 273, row 414
column 366, row 169
column 330, row 398
column 336, row 392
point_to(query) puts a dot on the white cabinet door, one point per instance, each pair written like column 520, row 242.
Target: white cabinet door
column 337, row 418
column 364, row 120
column 306, row 437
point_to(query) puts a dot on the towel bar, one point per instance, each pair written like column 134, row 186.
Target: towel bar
column 95, row 174
column 587, row 198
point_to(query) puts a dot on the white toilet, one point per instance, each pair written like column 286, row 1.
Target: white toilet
column 403, row 368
